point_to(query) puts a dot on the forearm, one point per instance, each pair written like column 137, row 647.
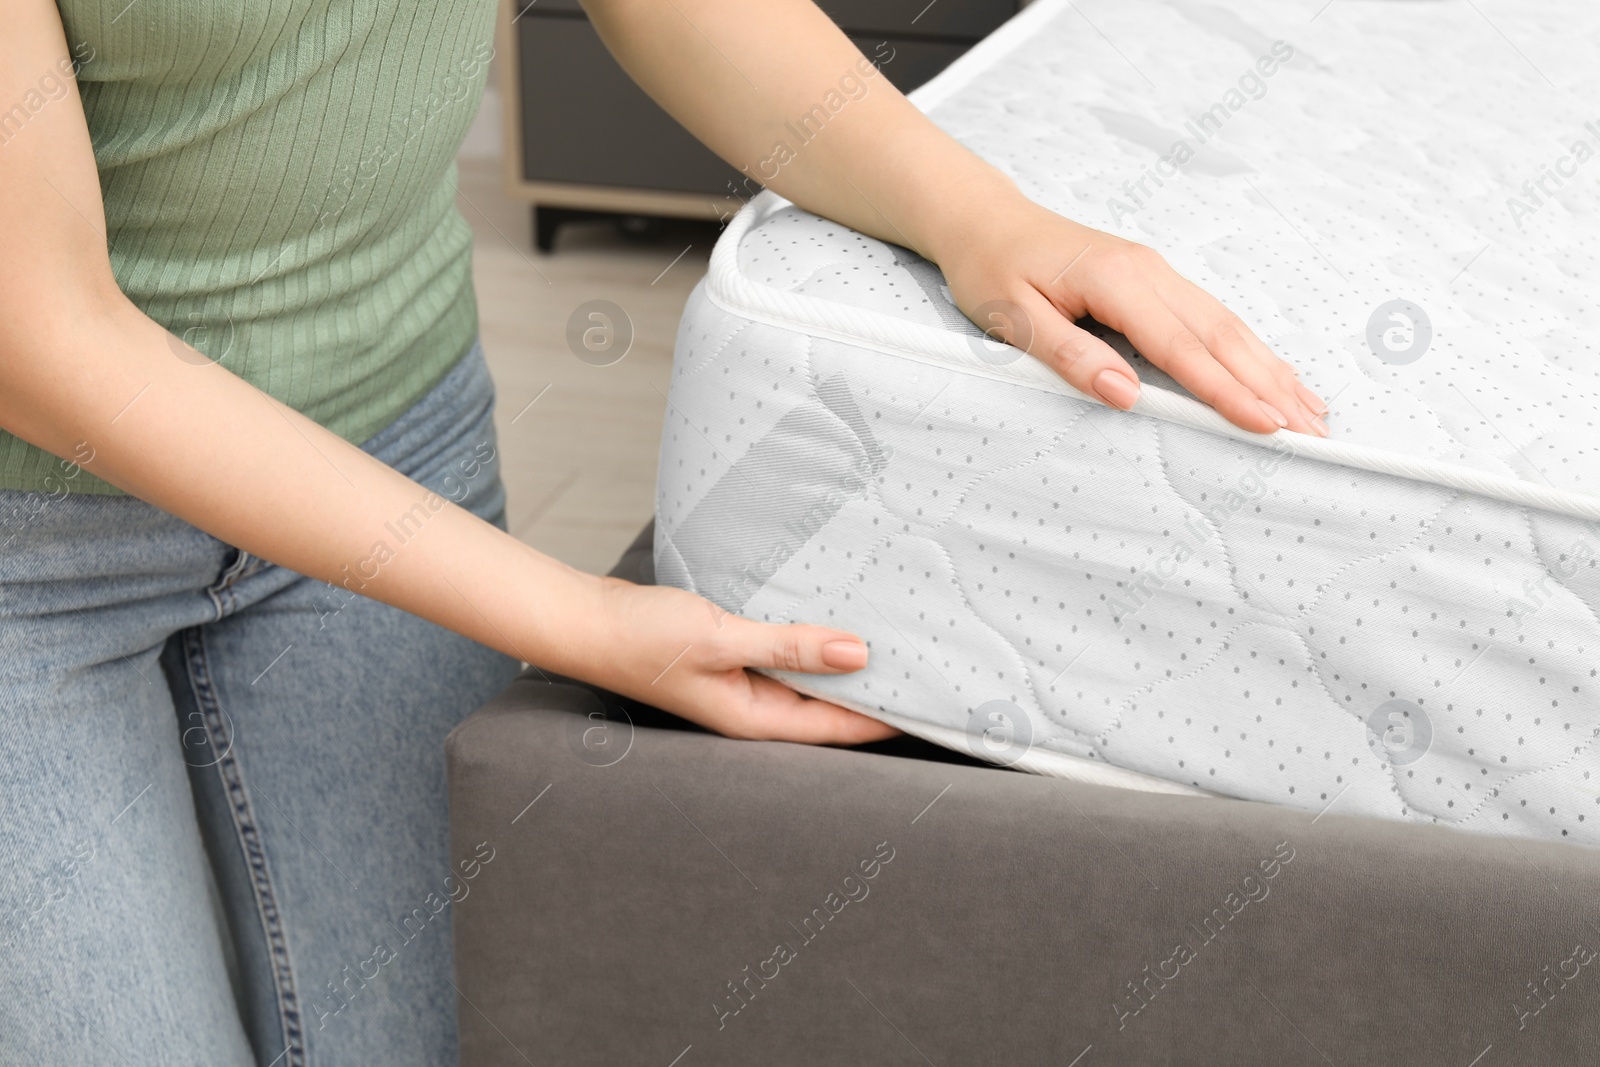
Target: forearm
column 867, row 158
column 202, row 444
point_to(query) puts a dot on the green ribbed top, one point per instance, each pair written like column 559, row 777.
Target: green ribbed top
column 279, row 184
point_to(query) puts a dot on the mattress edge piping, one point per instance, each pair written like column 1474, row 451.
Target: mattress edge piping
column 728, row 289
column 1040, row 761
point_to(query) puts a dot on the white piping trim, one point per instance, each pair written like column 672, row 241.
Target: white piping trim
column 1034, row 761
column 731, row 291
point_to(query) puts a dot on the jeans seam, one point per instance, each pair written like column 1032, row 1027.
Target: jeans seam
column 242, row 811
column 222, row 593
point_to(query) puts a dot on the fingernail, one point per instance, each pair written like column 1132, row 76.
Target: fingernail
column 1320, row 426
column 1274, row 414
column 844, row 655
column 1116, row 389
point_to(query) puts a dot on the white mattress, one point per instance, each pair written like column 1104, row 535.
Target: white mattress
column 1399, row 620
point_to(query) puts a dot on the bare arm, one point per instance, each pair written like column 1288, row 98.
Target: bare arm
column 735, row 73
column 79, row 364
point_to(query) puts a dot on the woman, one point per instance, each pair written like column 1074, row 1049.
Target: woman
column 255, row 564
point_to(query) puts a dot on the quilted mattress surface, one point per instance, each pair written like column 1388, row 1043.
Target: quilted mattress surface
column 1400, row 620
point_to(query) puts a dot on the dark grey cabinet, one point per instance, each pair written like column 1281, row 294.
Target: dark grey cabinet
column 583, row 137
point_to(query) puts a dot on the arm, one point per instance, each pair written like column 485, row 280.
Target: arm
column 80, row 364
column 736, row 72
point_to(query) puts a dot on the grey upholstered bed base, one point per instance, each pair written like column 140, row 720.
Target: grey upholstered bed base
column 705, row 901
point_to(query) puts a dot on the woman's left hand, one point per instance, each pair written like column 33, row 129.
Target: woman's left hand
column 1026, row 274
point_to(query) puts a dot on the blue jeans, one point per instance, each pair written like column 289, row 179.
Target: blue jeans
column 222, row 787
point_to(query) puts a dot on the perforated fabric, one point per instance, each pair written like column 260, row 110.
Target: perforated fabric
column 1399, row 620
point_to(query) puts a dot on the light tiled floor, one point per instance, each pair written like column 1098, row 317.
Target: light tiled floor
column 578, row 442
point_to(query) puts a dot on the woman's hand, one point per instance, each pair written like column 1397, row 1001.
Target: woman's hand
column 673, row 650
column 1025, row 274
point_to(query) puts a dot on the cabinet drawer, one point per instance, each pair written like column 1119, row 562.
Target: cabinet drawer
column 585, row 122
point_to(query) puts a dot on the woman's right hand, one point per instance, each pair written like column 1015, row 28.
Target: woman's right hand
column 676, row 651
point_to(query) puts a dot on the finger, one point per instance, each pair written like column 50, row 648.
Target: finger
column 1087, row 363
column 1314, row 403
column 753, row 707
column 1131, row 306
column 1204, row 307
column 795, row 647
column 1240, row 351
column 787, row 716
